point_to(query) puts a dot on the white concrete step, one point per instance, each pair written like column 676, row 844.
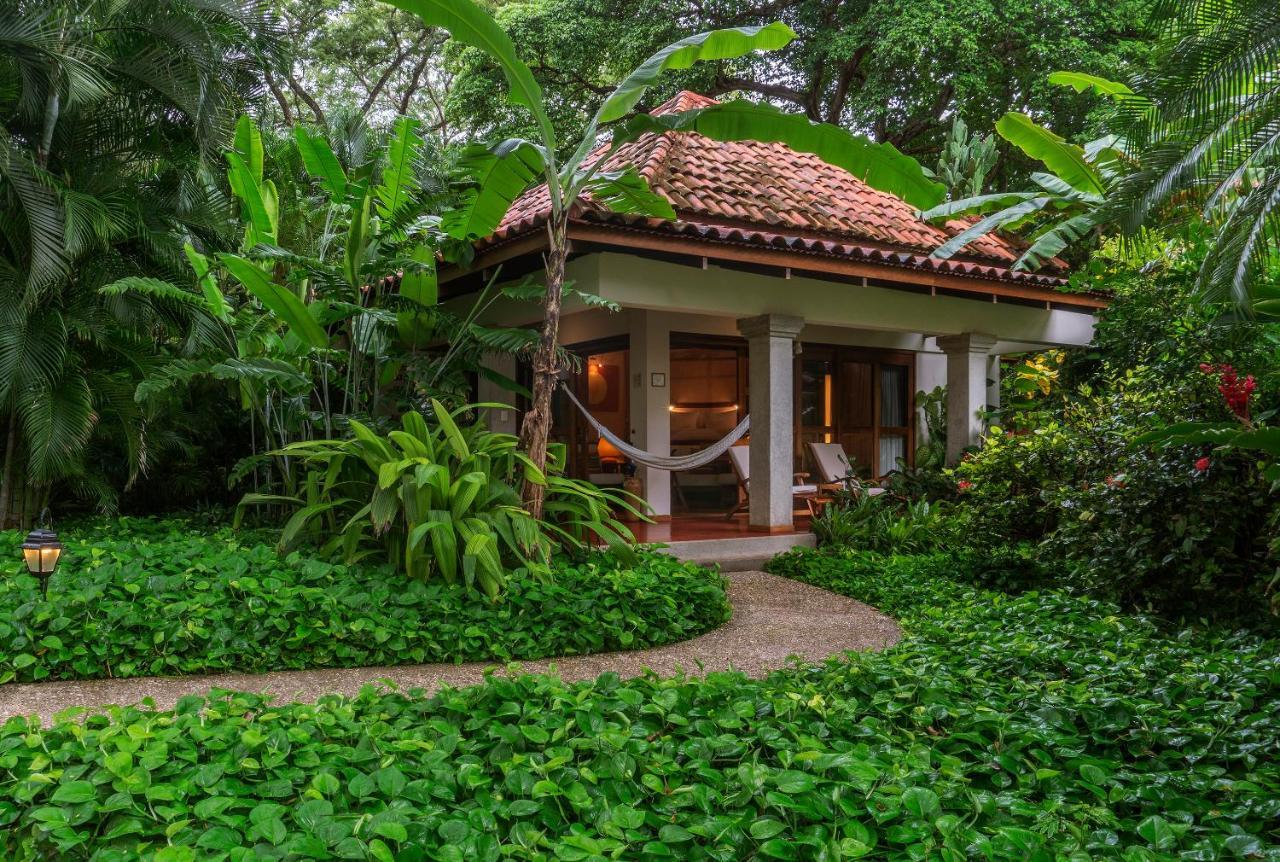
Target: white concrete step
column 740, row 553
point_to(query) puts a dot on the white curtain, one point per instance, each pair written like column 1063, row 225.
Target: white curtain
column 892, row 447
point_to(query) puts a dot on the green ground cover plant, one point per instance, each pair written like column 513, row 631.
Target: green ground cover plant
column 140, row 597
column 1035, row 727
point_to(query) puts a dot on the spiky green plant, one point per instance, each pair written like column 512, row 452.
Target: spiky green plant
column 441, row 498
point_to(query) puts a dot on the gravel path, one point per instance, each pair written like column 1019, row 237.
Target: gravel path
column 773, row 618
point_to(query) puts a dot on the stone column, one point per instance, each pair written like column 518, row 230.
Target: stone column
column 771, row 342
column 650, row 364
column 967, row 358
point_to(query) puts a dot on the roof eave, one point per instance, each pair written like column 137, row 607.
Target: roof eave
column 887, row 267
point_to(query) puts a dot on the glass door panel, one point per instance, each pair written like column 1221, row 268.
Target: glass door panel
column 893, row 396
column 601, row 384
column 860, row 399
column 604, row 390
column 708, row 399
column 893, row 428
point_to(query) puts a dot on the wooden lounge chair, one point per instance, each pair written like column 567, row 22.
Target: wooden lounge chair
column 835, row 471
column 740, row 457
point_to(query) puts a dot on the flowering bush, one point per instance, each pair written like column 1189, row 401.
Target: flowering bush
column 1184, row 525
column 1235, row 392
column 1160, row 529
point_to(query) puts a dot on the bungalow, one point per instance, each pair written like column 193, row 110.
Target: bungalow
column 785, row 287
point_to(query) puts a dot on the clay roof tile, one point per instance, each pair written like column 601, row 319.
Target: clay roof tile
column 758, row 185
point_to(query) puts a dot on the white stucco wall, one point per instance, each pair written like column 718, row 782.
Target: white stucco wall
column 644, row 283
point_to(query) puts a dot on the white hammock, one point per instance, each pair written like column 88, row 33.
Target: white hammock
column 665, row 462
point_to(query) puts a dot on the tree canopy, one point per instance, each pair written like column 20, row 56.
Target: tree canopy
column 897, row 71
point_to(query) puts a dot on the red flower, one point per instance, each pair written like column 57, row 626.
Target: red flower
column 1202, row 464
column 1235, row 392
column 963, row 485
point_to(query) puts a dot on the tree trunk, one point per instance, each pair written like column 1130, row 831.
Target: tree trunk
column 6, row 479
column 537, row 422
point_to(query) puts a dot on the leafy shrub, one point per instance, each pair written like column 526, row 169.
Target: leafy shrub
column 1039, row 727
column 442, row 500
column 880, row 523
column 1113, row 516
column 136, row 597
column 1073, row 471
column 1159, row 532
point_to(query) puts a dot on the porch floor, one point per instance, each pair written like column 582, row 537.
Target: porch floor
column 693, row 528
column 729, row 544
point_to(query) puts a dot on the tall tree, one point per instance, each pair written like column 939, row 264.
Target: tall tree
column 896, row 70
column 108, row 111
column 359, row 58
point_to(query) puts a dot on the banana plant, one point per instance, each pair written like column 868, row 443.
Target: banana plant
column 309, row 329
column 441, row 499
column 1069, row 200
column 500, row 173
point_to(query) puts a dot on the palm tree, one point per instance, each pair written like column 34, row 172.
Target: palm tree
column 109, row 111
column 1208, row 133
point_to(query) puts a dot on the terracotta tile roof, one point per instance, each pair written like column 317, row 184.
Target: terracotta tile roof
column 768, row 194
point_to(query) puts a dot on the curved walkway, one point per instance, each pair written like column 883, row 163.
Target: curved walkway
column 773, row 618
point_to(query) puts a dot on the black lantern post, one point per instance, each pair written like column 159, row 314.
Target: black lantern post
column 41, row 552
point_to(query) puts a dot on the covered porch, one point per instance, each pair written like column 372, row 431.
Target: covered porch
column 697, row 347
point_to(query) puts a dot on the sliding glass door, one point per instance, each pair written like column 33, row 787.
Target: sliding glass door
column 858, row 398
column 708, row 398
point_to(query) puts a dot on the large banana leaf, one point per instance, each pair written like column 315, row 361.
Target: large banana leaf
column 627, row 192
column 1066, row 160
column 1006, row 216
column 321, row 163
column 1081, row 82
column 1069, row 193
column 280, row 300
column 880, row 166
column 208, row 284
column 498, row 176
column 357, row 232
column 248, row 145
column 1054, row 238
column 724, row 44
column 467, row 22
column 973, row 205
column 257, row 208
